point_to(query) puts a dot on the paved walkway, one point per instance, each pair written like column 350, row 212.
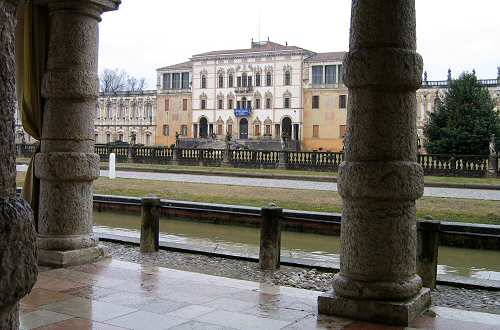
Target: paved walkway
column 115, row 295
column 482, row 194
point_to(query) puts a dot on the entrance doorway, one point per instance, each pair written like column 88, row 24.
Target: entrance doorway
column 243, row 128
column 286, row 127
column 203, row 128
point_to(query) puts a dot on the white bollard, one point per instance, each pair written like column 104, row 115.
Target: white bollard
column 112, row 165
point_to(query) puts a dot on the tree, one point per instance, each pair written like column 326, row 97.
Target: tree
column 463, row 120
column 117, row 80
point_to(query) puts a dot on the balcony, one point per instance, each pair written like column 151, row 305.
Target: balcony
column 243, row 90
column 243, row 112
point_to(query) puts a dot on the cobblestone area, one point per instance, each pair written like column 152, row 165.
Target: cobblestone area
column 467, row 299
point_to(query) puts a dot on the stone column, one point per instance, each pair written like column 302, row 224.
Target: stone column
column 17, row 232
column 380, row 179
column 67, row 164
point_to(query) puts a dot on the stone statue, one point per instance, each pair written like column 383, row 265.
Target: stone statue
column 228, row 136
column 498, row 73
column 493, row 150
column 449, row 74
column 176, row 138
column 425, row 76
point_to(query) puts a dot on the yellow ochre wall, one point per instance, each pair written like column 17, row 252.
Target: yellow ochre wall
column 174, row 117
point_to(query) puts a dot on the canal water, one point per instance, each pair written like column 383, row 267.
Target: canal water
column 482, row 264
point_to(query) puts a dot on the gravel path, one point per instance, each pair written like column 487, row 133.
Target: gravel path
column 467, row 299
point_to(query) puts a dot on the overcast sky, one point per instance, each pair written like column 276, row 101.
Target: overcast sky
column 144, row 35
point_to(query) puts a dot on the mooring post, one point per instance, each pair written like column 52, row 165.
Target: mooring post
column 150, row 224
column 112, row 166
column 427, row 251
column 270, row 237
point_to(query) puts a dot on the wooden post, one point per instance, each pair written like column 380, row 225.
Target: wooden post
column 427, row 251
column 150, row 224
column 270, row 237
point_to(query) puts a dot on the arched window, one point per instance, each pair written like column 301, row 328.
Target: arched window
column 230, row 80
column 203, row 81
column 221, row 81
column 269, row 79
column 287, row 100
column 288, row 78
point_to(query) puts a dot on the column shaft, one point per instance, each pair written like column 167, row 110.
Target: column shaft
column 67, row 164
column 380, row 179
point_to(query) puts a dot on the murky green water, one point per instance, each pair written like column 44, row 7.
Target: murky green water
column 466, row 262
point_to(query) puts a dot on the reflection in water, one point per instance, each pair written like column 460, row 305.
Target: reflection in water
column 466, row 262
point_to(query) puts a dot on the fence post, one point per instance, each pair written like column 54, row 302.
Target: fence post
column 282, row 157
column 427, row 251
column 130, row 157
column 270, row 237
column 226, row 160
column 176, row 155
column 492, row 166
column 150, row 224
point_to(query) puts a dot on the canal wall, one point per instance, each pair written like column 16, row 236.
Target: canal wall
column 463, row 235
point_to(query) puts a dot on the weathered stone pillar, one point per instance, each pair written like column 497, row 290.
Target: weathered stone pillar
column 270, row 238
column 150, row 224
column 67, row 164
column 18, row 267
column 282, row 159
column 427, row 251
column 380, row 179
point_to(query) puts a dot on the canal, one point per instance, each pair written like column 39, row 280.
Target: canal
column 484, row 264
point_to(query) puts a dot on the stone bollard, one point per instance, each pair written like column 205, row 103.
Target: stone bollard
column 130, row 154
column 176, row 155
column 493, row 166
column 150, row 224
column 270, row 237
column 226, row 160
column 112, row 166
column 427, row 251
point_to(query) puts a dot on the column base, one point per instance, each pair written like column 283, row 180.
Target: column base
column 386, row 312
column 58, row 259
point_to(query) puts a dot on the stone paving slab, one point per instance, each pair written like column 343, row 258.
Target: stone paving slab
column 229, row 303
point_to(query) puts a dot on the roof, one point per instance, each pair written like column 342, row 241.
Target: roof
column 327, row 57
column 256, row 47
column 179, row 66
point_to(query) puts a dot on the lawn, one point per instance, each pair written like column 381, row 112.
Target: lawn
column 450, row 209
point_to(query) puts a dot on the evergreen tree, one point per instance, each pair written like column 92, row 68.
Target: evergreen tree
column 463, row 120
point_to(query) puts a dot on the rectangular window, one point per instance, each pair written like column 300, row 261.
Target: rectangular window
column 268, row 130
column 184, row 130
column 257, row 130
column 219, row 129
column 176, row 80
column 184, row 104
column 331, row 74
column 343, row 130
column 185, row 80
column 220, row 104
column 230, row 129
column 230, row 104
column 167, row 104
column 315, row 102
column 238, row 81
column 250, row 81
column 317, row 74
column 166, row 130
column 257, row 103
column 315, row 131
column 342, row 101
column 257, row 80
column 340, row 74
column 203, row 104
column 221, row 81
column 230, row 81
column 166, row 81
column 286, row 103
column 268, row 103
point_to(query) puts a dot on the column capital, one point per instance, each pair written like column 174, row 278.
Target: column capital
column 93, row 8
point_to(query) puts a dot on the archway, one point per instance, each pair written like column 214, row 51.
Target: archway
column 286, row 127
column 243, row 128
column 203, row 128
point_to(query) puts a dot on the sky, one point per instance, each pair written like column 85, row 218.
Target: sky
column 144, row 35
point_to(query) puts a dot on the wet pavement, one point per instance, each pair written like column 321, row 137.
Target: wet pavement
column 482, row 194
column 113, row 295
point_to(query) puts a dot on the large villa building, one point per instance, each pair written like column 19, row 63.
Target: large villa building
column 258, row 94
